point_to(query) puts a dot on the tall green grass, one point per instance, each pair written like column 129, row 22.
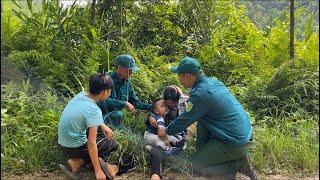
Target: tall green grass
column 29, row 137
column 133, row 145
column 29, row 131
column 28, row 128
column 291, row 146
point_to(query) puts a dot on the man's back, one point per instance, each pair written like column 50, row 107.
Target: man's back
column 223, row 114
column 79, row 114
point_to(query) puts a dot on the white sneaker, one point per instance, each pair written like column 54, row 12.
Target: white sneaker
column 148, row 147
column 185, row 146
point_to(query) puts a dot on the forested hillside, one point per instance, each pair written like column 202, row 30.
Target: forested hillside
column 245, row 44
column 265, row 14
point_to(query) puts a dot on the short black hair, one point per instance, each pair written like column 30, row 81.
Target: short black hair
column 100, row 82
column 171, row 93
column 154, row 103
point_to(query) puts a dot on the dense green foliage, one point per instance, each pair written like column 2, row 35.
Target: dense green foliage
column 28, row 125
column 61, row 47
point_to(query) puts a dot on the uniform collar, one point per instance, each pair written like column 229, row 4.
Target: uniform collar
column 116, row 78
column 198, row 80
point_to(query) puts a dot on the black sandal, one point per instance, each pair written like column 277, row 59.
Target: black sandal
column 69, row 173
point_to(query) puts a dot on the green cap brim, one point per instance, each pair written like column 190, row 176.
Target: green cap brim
column 134, row 69
column 174, row 70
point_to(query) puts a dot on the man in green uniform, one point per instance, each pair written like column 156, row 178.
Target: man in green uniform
column 122, row 94
column 223, row 127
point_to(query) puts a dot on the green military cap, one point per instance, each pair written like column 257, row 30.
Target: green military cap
column 187, row 65
column 127, row 61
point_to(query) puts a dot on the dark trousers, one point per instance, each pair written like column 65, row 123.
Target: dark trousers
column 215, row 158
column 212, row 159
column 157, row 159
column 218, row 159
column 105, row 147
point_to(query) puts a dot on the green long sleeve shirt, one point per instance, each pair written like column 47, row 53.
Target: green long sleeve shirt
column 219, row 112
column 120, row 94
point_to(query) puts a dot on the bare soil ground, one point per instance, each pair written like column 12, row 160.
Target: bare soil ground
column 170, row 175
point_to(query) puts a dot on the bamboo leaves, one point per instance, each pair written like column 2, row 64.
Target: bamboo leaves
column 308, row 32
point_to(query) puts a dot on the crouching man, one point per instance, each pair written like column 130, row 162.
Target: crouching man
column 82, row 114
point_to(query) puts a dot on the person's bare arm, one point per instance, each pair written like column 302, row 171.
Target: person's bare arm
column 163, row 136
column 191, row 131
column 162, row 133
column 153, row 121
column 107, row 132
column 93, row 152
column 131, row 108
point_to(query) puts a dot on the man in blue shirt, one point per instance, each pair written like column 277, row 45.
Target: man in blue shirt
column 79, row 116
column 223, row 126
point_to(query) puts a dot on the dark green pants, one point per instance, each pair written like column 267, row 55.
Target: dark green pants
column 213, row 157
column 216, row 158
column 114, row 119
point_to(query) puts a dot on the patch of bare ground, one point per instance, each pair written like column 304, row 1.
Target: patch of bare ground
column 171, row 175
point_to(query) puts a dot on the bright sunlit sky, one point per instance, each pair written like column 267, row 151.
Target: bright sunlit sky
column 69, row 2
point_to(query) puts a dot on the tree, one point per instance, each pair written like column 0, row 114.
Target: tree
column 93, row 11
column 292, row 32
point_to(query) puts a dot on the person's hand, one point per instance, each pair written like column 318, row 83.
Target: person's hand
column 167, row 142
column 100, row 175
column 153, row 121
column 162, row 132
column 191, row 130
column 107, row 132
column 131, row 108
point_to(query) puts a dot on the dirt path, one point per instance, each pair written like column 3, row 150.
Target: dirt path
column 140, row 175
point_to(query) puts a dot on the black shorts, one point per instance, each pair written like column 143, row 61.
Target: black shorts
column 105, row 147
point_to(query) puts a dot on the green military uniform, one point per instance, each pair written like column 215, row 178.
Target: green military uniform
column 120, row 94
column 223, row 126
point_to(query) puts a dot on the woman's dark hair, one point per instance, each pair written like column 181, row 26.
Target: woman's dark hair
column 172, row 93
column 100, row 82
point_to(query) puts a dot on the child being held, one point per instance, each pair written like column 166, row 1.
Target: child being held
column 170, row 144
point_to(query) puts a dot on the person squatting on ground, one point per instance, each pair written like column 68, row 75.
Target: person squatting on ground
column 80, row 115
column 223, row 127
column 122, row 94
column 175, row 100
column 170, row 144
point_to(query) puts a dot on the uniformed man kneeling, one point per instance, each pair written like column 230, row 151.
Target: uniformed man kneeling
column 223, row 126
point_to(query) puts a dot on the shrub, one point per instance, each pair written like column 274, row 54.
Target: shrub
column 28, row 128
column 288, row 145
